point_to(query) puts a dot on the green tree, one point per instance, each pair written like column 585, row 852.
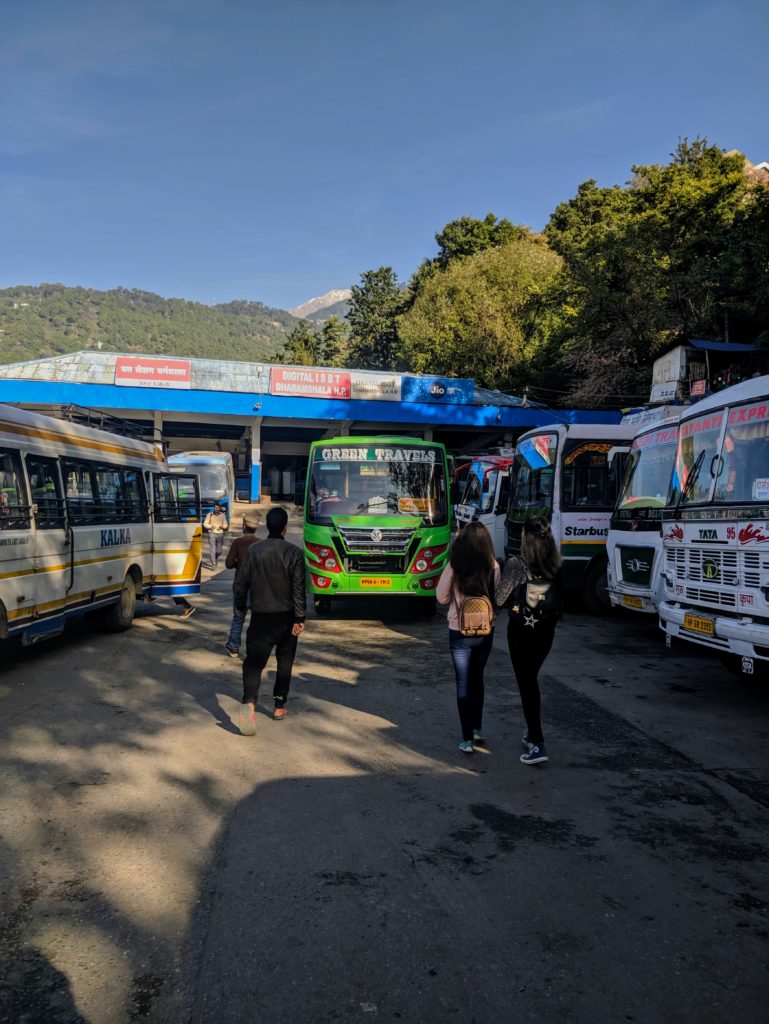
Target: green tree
column 333, row 342
column 301, row 347
column 375, row 305
column 659, row 261
column 487, row 316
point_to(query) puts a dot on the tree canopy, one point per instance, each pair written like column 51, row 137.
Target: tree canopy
column 374, row 308
column 486, row 316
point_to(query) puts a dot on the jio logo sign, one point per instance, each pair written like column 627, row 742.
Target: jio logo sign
column 437, row 389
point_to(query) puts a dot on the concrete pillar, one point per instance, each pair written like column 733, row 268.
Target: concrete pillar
column 157, row 426
column 428, row 434
column 256, row 458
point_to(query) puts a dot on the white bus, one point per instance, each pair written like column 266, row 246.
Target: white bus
column 563, row 471
column 634, row 547
column 486, row 497
column 716, row 528
column 89, row 521
column 216, row 474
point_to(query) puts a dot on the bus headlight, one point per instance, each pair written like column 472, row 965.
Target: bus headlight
column 421, row 565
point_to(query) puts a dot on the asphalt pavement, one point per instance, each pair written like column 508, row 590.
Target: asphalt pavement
column 349, row 864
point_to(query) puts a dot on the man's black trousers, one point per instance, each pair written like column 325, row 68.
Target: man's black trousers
column 266, row 631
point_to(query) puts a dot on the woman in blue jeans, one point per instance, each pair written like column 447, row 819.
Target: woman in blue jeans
column 472, row 571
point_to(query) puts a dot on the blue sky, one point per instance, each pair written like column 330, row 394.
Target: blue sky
column 275, row 150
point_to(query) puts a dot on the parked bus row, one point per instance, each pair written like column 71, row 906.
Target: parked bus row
column 89, row 522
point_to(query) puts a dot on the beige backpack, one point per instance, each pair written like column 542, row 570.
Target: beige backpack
column 476, row 616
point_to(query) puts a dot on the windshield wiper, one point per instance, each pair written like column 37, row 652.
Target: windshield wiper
column 691, row 479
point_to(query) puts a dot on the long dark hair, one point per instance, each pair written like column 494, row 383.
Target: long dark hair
column 472, row 559
column 538, row 549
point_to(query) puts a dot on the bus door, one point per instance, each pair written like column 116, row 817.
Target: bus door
column 17, row 546
column 501, row 503
column 54, row 546
column 177, row 535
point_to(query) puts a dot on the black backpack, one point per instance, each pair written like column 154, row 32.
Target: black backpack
column 535, row 600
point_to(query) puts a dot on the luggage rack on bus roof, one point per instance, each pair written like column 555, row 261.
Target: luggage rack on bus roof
column 105, row 421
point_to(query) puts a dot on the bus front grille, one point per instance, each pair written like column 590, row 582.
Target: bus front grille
column 387, row 540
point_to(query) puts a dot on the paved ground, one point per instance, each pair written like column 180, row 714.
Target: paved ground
column 348, row 864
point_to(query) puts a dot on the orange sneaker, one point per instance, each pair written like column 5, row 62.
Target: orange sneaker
column 279, row 713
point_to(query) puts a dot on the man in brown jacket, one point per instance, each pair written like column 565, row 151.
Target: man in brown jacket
column 236, row 554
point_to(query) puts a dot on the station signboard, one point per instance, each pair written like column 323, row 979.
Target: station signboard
column 307, row 382
column 148, row 372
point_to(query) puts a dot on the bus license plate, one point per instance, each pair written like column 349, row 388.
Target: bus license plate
column 375, row 581
column 632, row 602
column 700, row 624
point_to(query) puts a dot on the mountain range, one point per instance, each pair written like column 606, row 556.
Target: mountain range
column 52, row 319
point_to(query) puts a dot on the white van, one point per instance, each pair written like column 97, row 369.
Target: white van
column 89, row 520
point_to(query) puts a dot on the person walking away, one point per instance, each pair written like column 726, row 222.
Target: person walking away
column 216, row 525
column 272, row 576
column 236, row 554
column 532, row 588
column 472, row 571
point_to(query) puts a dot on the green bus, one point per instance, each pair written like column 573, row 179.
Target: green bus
column 376, row 518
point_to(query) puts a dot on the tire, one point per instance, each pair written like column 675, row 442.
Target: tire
column 119, row 616
column 322, row 604
column 595, row 589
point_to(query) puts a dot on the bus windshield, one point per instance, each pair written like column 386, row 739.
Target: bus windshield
column 647, row 477
column 481, row 489
column 743, row 469
column 698, row 441
column 213, row 477
column 533, row 474
column 371, row 481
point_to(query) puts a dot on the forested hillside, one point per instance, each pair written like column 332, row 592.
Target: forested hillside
column 51, row 319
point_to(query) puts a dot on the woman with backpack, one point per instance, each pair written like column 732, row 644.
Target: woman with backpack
column 467, row 586
column 532, row 588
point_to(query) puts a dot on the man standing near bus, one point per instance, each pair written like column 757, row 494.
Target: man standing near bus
column 216, row 525
column 272, row 575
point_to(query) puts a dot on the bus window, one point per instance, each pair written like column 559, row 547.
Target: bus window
column 534, row 468
column 46, row 492
column 135, row 505
column 743, row 469
column 14, row 510
column 586, row 482
column 80, row 494
column 109, row 489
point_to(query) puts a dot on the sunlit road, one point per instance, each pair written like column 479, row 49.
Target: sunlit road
column 348, row 864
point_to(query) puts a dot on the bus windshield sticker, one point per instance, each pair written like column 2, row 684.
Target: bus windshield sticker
column 589, row 446
column 414, row 506
column 761, row 489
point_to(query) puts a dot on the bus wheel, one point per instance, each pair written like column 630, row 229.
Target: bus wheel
column 119, row 616
column 595, row 591
column 322, row 604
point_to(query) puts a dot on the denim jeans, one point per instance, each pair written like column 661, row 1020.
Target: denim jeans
column 236, row 629
column 470, row 654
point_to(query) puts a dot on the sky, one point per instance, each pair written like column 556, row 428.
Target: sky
column 241, row 149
